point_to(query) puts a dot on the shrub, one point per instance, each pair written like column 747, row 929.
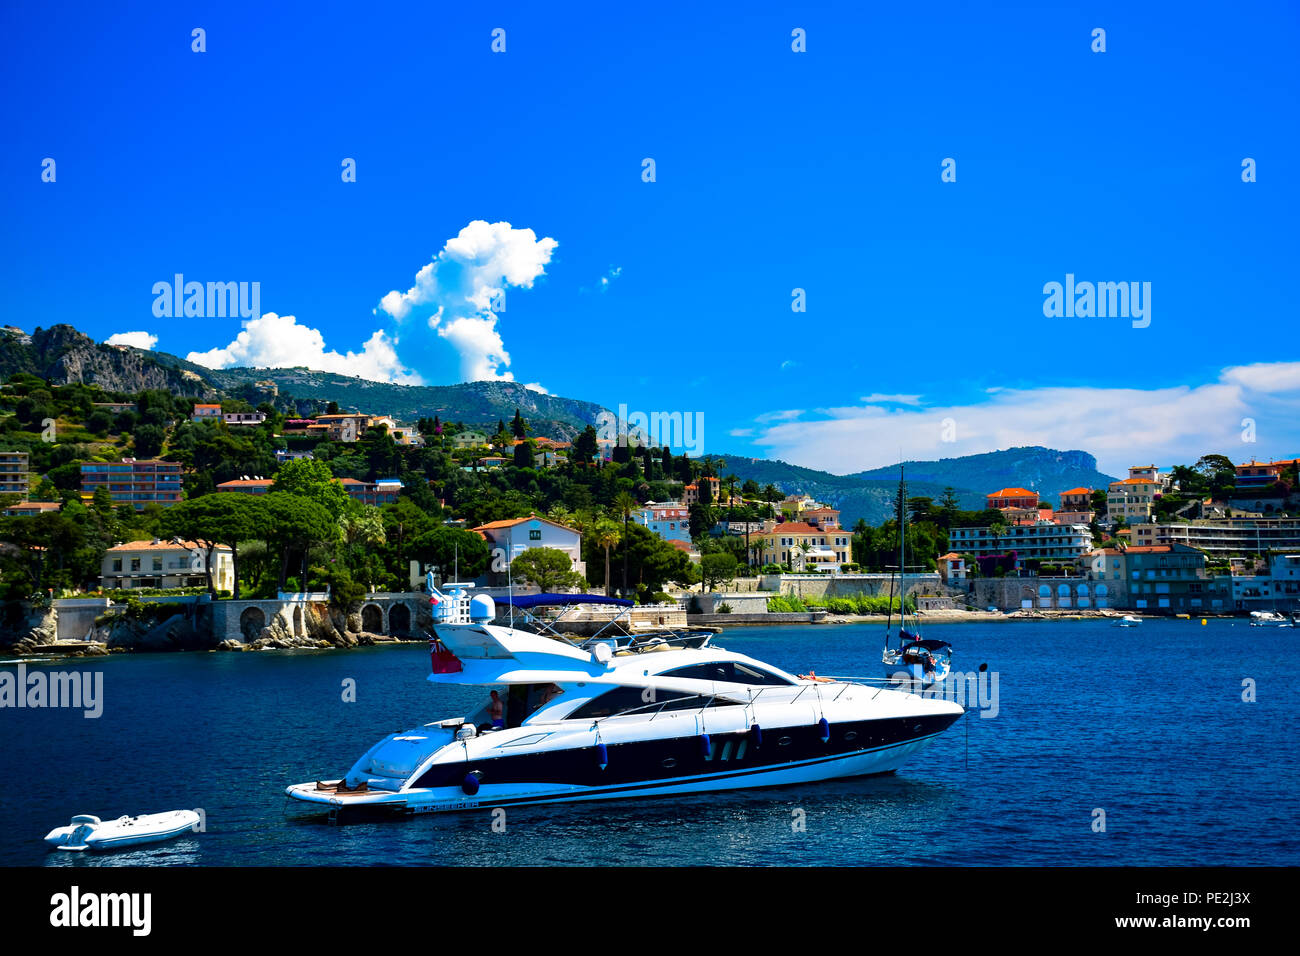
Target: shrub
column 785, row 604
column 724, row 608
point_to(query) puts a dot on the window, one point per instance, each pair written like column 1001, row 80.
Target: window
column 623, row 699
column 733, row 672
column 535, row 534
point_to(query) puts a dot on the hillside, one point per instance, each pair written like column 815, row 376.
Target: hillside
column 870, row 494
column 1044, row 470
column 64, row 355
column 475, row 403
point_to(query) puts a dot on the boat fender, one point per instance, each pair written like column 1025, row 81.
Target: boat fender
column 471, row 782
column 757, row 733
column 824, row 728
column 602, row 756
column 704, row 745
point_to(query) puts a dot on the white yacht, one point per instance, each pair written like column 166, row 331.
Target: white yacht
column 1269, row 619
column 562, row 721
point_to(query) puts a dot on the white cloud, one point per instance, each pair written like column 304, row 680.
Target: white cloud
column 278, row 341
column 139, row 340
column 788, row 414
column 461, row 285
column 609, row 277
column 1265, row 376
column 876, row 398
column 1117, row 425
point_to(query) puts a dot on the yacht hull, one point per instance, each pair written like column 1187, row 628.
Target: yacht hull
column 789, row 755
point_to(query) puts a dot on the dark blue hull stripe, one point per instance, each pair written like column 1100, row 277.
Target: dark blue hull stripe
column 638, row 766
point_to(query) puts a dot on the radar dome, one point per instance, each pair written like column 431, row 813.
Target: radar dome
column 482, row 609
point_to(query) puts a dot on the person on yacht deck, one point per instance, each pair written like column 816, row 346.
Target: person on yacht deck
column 498, row 711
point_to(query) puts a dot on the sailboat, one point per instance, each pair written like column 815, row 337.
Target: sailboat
column 915, row 662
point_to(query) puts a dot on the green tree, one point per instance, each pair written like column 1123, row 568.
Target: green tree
column 718, row 568
column 147, row 441
column 624, row 505
column 607, row 536
column 585, row 446
column 227, row 518
column 548, row 568
column 312, row 479
column 449, row 548
column 296, row 524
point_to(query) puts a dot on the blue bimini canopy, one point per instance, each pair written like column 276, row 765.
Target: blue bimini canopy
column 543, row 600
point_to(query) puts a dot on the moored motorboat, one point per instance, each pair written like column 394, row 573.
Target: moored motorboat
column 1269, row 619
column 88, row 832
column 570, row 721
column 1128, row 620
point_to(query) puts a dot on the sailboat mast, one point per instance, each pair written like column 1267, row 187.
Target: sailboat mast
column 902, row 551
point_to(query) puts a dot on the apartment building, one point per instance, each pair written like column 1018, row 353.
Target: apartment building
column 382, row 492
column 15, row 479
column 1043, row 540
column 132, row 482
column 1224, row 536
column 1164, row 577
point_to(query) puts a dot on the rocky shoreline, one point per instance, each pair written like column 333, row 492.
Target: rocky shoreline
column 324, row 628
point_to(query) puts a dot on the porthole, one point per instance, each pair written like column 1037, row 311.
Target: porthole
column 670, row 762
column 783, row 742
column 851, row 735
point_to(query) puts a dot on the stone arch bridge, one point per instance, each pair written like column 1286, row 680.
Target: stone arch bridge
column 395, row 615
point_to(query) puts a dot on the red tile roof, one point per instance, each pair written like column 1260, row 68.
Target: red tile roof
column 511, row 522
column 162, row 546
column 1013, row 493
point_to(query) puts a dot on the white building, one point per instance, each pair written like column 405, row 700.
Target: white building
column 509, row 539
column 1042, row 540
column 165, row 564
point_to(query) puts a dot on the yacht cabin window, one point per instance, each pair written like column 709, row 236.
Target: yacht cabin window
column 733, row 672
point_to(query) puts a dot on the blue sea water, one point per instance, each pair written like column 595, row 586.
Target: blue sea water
column 1147, row 724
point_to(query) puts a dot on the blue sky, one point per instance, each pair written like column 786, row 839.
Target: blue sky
column 775, row 170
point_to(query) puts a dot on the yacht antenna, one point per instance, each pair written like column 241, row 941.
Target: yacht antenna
column 510, row 581
column 902, row 546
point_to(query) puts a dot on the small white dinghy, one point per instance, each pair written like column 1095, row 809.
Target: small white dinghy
column 88, row 832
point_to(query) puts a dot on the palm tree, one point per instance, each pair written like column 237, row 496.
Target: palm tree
column 560, row 515
column 757, row 548
column 607, row 536
column 624, row 504
column 365, row 530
